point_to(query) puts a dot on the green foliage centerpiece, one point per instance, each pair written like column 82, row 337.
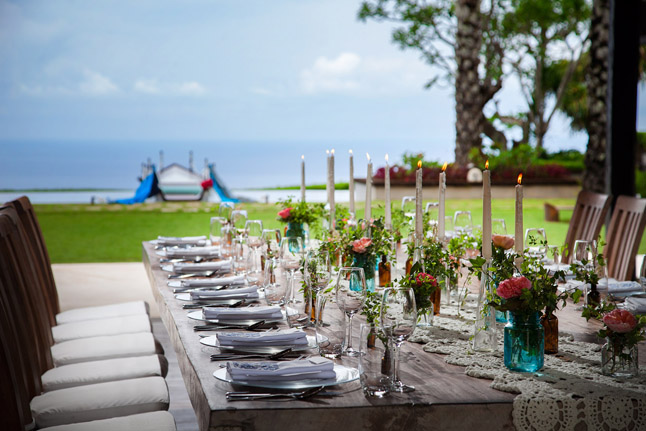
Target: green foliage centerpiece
column 299, row 214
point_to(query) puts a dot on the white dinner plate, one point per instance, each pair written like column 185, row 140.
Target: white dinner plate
column 197, row 315
column 212, row 341
column 343, row 375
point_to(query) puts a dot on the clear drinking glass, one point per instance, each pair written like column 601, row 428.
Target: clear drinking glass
column 462, row 222
column 239, row 220
column 642, row 274
column 498, row 226
column 329, row 338
column 374, row 365
column 240, row 256
column 448, row 226
column 398, row 319
column 291, row 254
column 254, row 230
column 582, row 256
column 408, row 206
column 432, row 209
column 274, row 282
column 215, row 229
column 536, row 242
column 225, row 210
column 350, row 300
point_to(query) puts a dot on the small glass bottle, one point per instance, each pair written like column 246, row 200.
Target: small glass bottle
column 436, row 298
column 594, row 298
column 384, row 272
column 551, row 327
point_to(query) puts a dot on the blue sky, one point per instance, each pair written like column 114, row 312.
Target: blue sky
column 199, row 70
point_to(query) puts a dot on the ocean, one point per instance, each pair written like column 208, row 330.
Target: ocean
column 240, row 165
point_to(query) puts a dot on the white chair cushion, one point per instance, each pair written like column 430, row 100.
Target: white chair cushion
column 100, row 401
column 102, row 312
column 110, row 370
column 101, row 327
column 155, row 421
column 99, row 348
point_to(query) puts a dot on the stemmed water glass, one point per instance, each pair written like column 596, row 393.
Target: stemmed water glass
column 498, row 226
column 225, row 210
column 582, row 257
column 291, row 253
column 462, row 222
column 432, row 209
column 239, row 220
column 318, row 272
column 254, row 230
column 536, row 240
column 350, row 294
column 398, row 319
column 215, row 232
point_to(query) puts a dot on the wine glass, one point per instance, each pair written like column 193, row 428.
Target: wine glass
column 398, row 318
column 582, row 257
column 239, row 220
column 274, row 283
column 318, row 272
column 408, row 207
column 240, row 256
column 291, row 252
column 498, row 226
column 215, row 229
column 462, row 222
column 432, row 209
column 225, row 210
column 448, row 226
column 270, row 245
column 254, row 230
column 535, row 241
column 350, row 294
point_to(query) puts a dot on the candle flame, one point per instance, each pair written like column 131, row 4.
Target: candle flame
column 332, row 152
column 303, row 157
column 368, row 156
column 419, row 164
column 487, row 164
column 444, row 166
column 386, row 158
column 350, row 152
column 327, row 152
column 520, row 178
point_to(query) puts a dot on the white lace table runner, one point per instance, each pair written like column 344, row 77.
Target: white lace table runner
column 568, row 394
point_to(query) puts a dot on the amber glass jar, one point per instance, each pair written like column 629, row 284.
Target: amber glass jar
column 551, row 326
column 436, row 298
column 384, row 272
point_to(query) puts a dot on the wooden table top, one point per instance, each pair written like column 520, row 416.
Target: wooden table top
column 444, row 397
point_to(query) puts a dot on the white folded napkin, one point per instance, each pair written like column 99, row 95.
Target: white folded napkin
column 210, row 251
column 634, row 305
column 187, row 268
column 256, row 313
column 234, row 280
column 288, row 337
column 312, row 368
column 184, row 240
column 249, row 292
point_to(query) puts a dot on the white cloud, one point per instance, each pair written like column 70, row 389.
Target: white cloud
column 332, row 75
column 96, row 84
column 191, row 88
column 148, row 86
column 349, row 73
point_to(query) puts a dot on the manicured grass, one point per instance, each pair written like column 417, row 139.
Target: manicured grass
column 113, row 233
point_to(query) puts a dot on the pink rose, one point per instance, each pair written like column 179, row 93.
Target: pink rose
column 513, row 287
column 423, row 277
column 620, row 321
column 360, row 245
column 471, row 253
column 503, row 241
column 284, row 214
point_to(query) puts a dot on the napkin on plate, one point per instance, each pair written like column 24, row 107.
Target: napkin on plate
column 187, row 268
column 256, row 313
column 288, row 337
column 235, row 280
column 178, row 253
column 609, row 285
column 634, row 304
column 305, row 369
column 184, row 240
column 248, row 292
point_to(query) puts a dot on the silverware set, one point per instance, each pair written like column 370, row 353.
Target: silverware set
column 215, row 326
column 198, row 305
column 206, row 274
column 300, row 395
column 232, row 356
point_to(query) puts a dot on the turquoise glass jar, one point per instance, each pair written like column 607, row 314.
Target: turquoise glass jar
column 367, row 262
column 524, row 342
column 297, row 229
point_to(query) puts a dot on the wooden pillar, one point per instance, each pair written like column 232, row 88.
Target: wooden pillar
column 622, row 96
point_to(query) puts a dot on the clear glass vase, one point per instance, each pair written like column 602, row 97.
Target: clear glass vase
column 619, row 361
column 484, row 335
column 425, row 317
column 524, row 342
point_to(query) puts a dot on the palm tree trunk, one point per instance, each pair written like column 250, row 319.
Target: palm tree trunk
column 468, row 107
column 597, row 83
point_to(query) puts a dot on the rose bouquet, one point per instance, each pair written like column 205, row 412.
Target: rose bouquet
column 424, row 285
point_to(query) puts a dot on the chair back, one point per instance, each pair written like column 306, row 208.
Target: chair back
column 587, row 219
column 624, row 236
column 34, row 234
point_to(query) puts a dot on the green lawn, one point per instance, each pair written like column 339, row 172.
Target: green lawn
column 113, row 233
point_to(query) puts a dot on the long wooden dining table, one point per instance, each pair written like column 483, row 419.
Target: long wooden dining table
column 444, row 397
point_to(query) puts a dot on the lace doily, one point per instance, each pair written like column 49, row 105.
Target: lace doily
column 568, row 392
